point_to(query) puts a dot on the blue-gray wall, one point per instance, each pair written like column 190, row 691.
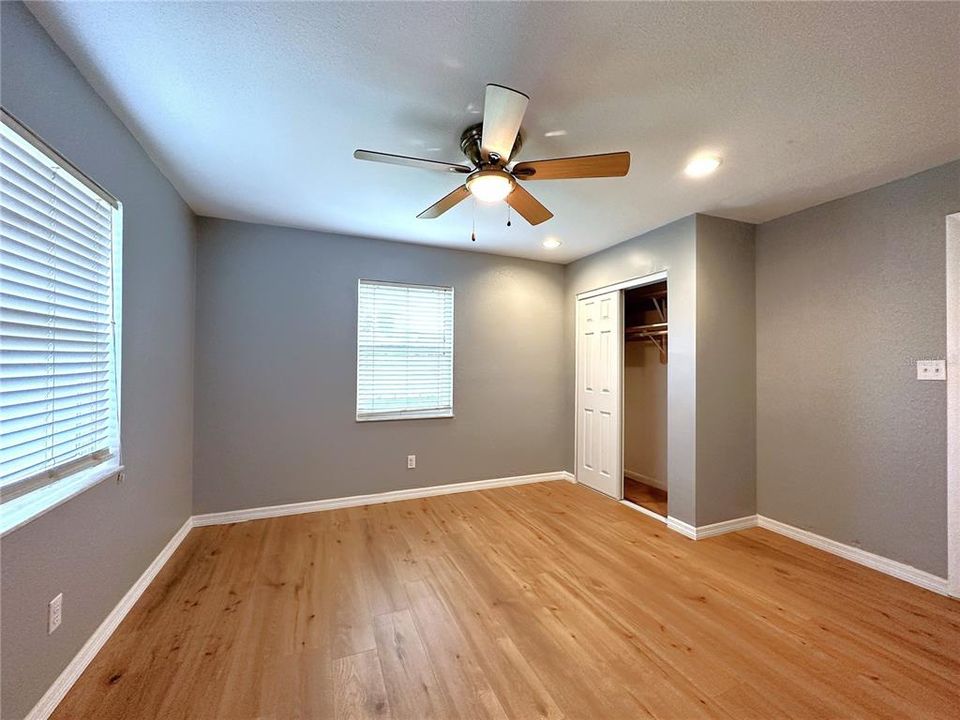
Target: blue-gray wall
column 726, row 371
column 95, row 546
column 276, row 367
column 850, row 294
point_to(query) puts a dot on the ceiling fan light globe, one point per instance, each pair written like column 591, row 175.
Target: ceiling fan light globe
column 490, row 185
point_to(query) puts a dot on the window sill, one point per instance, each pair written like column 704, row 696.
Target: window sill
column 427, row 415
column 17, row 513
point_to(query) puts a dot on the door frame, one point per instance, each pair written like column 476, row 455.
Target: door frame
column 953, row 404
column 638, row 281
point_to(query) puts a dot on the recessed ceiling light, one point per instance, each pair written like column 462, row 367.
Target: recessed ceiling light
column 702, row 166
column 555, row 133
column 551, row 243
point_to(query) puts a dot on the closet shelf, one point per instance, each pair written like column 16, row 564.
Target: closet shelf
column 647, row 304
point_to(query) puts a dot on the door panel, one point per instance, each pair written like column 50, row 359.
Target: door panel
column 586, row 447
column 606, row 432
column 599, row 355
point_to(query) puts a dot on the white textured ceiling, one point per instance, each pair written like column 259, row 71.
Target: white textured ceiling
column 253, row 109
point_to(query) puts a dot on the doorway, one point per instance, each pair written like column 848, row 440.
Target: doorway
column 621, row 367
column 645, row 397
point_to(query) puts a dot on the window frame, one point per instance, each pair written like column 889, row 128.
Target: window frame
column 422, row 414
column 32, row 496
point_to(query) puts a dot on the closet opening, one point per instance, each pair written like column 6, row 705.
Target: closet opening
column 645, row 397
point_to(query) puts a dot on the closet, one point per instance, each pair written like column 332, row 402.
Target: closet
column 645, row 337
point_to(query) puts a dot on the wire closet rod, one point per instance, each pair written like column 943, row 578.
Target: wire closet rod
column 652, row 327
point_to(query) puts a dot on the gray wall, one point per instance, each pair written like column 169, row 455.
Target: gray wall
column 95, row 546
column 276, row 369
column 726, row 370
column 671, row 248
column 849, row 295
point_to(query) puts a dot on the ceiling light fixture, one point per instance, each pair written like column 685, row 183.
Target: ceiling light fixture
column 490, row 148
column 702, row 166
column 490, row 185
column 551, row 243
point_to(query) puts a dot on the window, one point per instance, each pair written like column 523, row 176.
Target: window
column 59, row 305
column 404, row 351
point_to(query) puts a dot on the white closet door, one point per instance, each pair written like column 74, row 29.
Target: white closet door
column 599, row 355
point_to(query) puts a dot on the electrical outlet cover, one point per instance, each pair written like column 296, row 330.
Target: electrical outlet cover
column 931, row 369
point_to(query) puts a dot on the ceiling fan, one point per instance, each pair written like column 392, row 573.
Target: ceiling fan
column 490, row 146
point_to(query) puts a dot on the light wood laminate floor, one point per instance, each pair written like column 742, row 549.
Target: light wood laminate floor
column 539, row 601
column 646, row 496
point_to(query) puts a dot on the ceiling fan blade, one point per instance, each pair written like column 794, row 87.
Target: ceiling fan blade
column 445, row 203
column 410, row 161
column 584, row 166
column 528, row 206
column 503, row 111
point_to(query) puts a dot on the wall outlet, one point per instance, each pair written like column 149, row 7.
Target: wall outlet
column 411, row 462
column 931, row 369
column 55, row 613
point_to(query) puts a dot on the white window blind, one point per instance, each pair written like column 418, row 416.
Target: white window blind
column 404, row 351
column 59, row 253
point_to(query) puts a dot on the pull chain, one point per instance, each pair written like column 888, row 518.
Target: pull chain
column 473, row 235
column 509, row 209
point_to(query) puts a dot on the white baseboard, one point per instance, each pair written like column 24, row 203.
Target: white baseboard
column 726, row 526
column 232, row 516
column 894, row 568
column 877, row 562
column 706, row 531
column 645, row 479
column 56, row 692
column 681, row 527
column 643, row 511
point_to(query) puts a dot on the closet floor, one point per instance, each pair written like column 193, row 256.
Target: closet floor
column 646, row 496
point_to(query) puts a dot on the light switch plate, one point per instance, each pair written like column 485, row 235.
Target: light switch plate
column 55, row 613
column 931, row 369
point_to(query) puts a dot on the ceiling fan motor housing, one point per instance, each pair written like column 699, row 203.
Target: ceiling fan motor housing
column 470, row 146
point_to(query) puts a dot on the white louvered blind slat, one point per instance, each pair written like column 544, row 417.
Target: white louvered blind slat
column 404, row 351
column 58, row 375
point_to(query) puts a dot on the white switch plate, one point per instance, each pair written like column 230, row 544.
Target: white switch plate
column 411, row 462
column 55, row 614
column 931, row 369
